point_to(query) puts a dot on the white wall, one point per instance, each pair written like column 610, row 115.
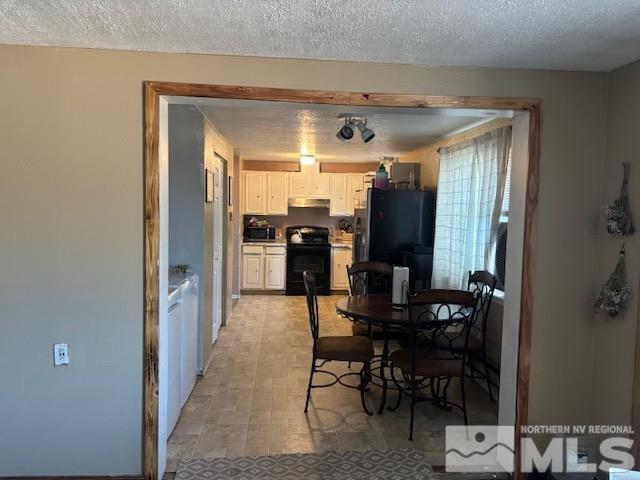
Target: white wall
column 71, row 210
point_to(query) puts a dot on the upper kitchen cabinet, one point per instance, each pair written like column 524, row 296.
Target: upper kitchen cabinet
column 255, row 192
column 309, row 185
column 265, row 193
column 277, row 193
column 321, row 185
column 355, row 183
column 339, row 194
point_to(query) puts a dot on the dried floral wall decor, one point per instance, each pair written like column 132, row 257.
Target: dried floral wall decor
column 616, row 291
column 618, row 213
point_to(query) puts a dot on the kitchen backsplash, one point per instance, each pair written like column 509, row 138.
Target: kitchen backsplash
column 318, row 217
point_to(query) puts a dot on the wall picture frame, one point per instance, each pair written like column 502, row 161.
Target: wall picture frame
column 208, row 189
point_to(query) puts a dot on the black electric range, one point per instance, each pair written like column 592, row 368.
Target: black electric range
column 312, row 252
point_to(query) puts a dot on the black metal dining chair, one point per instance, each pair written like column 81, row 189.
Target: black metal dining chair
column 482, row 284
column 444, row 316
column 335, row 348
column 368, row 278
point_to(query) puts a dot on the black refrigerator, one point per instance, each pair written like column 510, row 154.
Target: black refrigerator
column 397, row 227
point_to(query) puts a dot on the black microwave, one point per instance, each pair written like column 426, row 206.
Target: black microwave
column 259, row 233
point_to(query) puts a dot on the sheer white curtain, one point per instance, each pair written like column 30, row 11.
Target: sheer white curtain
column 469, row 203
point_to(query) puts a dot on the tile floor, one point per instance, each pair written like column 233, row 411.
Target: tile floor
column 251, row 400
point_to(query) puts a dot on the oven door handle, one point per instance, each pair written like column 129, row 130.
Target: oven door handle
column 308, row 247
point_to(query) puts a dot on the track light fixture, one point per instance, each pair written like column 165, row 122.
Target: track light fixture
column 350, row 124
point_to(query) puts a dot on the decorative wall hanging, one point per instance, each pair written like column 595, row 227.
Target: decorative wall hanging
column 616, row 291
column 618, row 213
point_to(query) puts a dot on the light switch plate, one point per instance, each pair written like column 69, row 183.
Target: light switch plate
column 60, row 354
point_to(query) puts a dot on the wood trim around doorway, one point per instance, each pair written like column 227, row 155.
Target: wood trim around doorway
column 152, row 93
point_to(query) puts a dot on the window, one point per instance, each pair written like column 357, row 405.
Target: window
column 472, row 200
column 500, row 246
column 504, row 213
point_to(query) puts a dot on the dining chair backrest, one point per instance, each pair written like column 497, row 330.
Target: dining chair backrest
column 369, row 277
column 312, row 302
column 482, row 284
column 445, row 316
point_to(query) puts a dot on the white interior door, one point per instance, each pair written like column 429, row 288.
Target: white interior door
column 218, row 212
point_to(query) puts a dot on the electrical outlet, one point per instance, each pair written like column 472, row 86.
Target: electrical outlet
column 60, row 354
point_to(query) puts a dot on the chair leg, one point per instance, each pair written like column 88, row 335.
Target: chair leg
column 398, row 387
column 383, row 365
column 471, row 373
column 464, row 399
column 365, row 375
column 398, row 401
column 313, row 369
column 486, row 374
column 413, row 405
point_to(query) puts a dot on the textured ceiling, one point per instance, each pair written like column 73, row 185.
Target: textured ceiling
column 283, row 131
column 596, row 35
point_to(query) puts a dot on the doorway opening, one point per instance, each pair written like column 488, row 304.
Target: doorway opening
column 524, row 190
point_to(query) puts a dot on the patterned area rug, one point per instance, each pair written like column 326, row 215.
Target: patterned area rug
column 390, row 464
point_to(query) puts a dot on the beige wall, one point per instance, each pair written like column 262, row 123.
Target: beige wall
column 71, row 199
column 428, row 155
column 614, row 341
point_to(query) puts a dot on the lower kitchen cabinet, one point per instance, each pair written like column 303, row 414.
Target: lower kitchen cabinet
column 264, row 268
column 252, row 270
column 340, row 259
column 275, row 272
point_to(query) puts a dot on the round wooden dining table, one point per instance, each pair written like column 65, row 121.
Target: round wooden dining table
column 374, row 309
column 378, row 310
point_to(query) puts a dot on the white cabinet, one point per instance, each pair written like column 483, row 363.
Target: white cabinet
column 275, row 271
column 320, row 185
column 189, row 339
column 355, row 183
column 254, row 192
column 182, row 344
column 174, row 334
column 338, row 204
column 264, row 268
column 343, row 193
column 309, row 185
column 340, row 259
column 277, row 193
column 267, row 193
column 299, row 185
column 252, row 269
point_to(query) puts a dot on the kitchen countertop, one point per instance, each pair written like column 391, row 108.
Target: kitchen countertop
column 283, row 243
column 271, row 243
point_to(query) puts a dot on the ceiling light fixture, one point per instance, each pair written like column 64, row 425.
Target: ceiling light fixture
column 346, row 132
column 365, row 132
column 350, row 124
column 307, row 159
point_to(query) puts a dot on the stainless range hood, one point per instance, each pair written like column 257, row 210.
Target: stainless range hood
column 309, row 202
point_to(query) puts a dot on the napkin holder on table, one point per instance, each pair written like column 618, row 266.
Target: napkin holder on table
column 400, row 287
